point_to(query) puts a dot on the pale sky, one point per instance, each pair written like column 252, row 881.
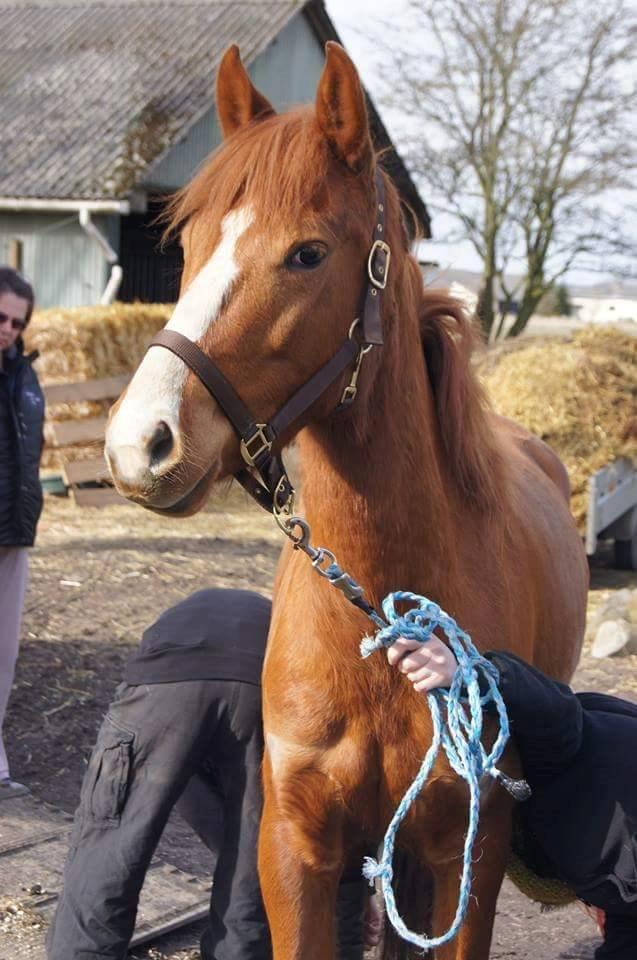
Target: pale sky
column 357, row 20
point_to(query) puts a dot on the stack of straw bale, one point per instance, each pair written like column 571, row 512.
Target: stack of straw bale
column 85, row 343
column 88, row 343
column 579, row 395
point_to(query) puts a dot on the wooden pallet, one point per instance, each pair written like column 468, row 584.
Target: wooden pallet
column 33, row 846
column 88, row 480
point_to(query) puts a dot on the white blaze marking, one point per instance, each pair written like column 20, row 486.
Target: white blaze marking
column 155, row 391
column 201, row 302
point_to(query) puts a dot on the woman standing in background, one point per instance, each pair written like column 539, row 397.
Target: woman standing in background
column 21, row 422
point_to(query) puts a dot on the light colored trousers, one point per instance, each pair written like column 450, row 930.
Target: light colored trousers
column 13, row 582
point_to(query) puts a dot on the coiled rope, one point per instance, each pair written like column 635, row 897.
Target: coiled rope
column 460, row 738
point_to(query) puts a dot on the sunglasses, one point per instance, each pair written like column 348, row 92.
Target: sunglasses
column 16, row 322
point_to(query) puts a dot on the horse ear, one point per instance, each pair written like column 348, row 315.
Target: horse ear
column 341, row 110
column 238, row 101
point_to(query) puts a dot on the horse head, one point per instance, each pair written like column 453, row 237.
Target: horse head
column 276, row 233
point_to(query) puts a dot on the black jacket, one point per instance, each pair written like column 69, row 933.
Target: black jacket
column 21, row 426
column 214, row 634
column 579, row 755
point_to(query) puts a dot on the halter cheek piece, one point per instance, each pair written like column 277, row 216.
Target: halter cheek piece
column 264, row 476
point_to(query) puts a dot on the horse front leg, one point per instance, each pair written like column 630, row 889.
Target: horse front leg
column 301, row 855
column 490, row 855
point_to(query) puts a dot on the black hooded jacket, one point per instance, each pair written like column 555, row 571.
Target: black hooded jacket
column 579, row 755
column 21, row 426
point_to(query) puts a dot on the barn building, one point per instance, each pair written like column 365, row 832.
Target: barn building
column 108, row 106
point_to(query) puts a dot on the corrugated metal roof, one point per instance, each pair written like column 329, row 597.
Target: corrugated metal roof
column 92, row 93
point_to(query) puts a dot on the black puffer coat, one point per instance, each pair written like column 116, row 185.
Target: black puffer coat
column 578, row 754
column 21, row 425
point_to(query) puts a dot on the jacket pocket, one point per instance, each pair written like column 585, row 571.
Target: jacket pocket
column 106, row 784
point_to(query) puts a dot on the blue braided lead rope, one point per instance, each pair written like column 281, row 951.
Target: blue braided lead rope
column 460, row 738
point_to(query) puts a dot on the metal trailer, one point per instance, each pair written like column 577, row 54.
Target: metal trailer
column 612, row 511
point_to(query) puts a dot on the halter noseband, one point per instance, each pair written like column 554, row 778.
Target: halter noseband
column 264, row 476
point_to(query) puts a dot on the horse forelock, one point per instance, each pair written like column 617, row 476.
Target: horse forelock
column 280, row 165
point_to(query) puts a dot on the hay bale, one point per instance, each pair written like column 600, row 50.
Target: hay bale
column 579, row 395
column 87, row 343
column 83, row 343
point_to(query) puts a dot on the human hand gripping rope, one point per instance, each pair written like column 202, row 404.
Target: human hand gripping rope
column 460, row 737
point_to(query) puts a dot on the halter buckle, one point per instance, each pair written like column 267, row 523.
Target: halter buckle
column 379, row 271
column 260, row 438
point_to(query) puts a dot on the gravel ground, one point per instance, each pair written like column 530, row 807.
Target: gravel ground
column 99, row 577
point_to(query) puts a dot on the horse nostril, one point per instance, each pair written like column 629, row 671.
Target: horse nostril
column 161, row 443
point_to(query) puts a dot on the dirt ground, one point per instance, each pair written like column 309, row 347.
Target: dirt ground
column 99, row 577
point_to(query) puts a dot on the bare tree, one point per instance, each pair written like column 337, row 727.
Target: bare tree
column 519, row 123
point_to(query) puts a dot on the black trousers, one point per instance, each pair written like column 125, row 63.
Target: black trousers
column 620, row 929
column 194, row 744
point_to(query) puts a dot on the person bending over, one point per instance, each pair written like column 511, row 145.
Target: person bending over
column 579, row 756
column 184, row 730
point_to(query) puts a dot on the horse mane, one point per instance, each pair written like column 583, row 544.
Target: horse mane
column 474, row 456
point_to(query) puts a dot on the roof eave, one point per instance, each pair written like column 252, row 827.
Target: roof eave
column 57, row 205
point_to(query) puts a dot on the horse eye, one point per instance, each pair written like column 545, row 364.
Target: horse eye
column 307, row 256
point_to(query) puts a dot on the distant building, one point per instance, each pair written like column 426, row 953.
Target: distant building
column 107, row 106
column 462, row 284
column 611, row 302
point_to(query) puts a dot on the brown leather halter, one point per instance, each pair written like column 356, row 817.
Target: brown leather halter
column 264, row 476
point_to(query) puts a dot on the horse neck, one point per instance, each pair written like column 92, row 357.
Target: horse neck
column 375, row 490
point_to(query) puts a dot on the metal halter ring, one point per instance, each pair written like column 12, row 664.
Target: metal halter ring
column 364, row 347
column 284, row 513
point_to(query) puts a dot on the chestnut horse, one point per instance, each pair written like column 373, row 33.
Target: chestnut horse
column 416, row 486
